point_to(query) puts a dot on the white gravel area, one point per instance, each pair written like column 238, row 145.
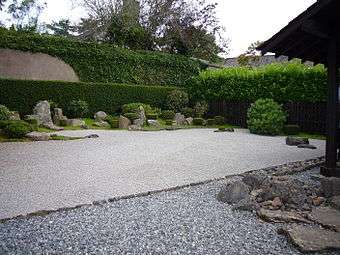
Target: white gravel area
column 50, row 175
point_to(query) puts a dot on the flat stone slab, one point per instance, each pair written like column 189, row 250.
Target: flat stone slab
column 327, row 217
column 309, row 239
column 52, row 175
column 281, row 216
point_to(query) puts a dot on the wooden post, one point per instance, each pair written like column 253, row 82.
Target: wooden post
column 332, row 112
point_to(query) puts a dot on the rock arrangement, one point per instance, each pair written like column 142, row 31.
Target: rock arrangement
column 280, row 195
column 299, row 142
column 100, row 120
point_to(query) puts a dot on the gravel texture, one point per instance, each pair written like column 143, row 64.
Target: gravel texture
column 58, row 174
column 186, row 221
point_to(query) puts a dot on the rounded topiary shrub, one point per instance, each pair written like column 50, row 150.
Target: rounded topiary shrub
column 17, row 129
column 77, row 109
column 4, row 113
column 131, row 115
column 266, row 117
column 113, row 121
column 198, row 121
column 134, row 107
column 152, row 116
column 168, row 115
column 177, row 100
column 169, row 122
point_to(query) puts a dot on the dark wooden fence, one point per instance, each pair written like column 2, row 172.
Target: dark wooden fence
column 311, row 117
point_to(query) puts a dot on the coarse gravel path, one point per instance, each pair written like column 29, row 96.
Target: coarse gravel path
column 50, row 175
column 186, row 221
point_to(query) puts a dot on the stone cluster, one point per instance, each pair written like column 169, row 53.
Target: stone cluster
column 285, row 198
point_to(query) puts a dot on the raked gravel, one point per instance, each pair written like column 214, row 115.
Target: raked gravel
column 57, row 174
column 186, row 221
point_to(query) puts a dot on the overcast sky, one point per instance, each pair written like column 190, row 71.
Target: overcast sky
column 246, row 21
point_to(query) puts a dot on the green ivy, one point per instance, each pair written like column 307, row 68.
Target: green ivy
column 95, row 62
column 22, row 95
column 291, row 82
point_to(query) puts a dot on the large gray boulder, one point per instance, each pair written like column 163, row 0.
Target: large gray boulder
column 100, row 116
column 295, row 141
column 58, row 117
column 190, row 121
column 38, row 136
column 234, row 192
column 124, row 122
column 42, row 110
column 141, row 117
column 14, row 115
column 180, row 119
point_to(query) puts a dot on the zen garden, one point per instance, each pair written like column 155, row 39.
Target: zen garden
column 131, row 132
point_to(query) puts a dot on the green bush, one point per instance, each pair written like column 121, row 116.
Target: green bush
column 134, row 107
column 17, row 129
column 33, row 123
column 95, row 62
column 22, row 95
column 4, row 113
column 4, row 123
column 113, row 121
column 266, row 117
column 219, row 120
column 292, row 82
column 198, row 121
column 131, row 115
column 201, row 108
column 188, row 112
column 168, row 115
column 210, row 122
column 177, row 100
column 152, row 116
column 77, row 109
column 168, row 122
column 291, row 129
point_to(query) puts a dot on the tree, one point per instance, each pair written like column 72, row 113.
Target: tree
column 251, row 57
column 61, row 28
column 24, row 14
column 178, row 26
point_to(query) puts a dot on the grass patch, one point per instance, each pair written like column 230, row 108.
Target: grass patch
column 65, row 138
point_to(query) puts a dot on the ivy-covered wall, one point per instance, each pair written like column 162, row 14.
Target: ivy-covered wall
column 95, row 62
column 22, row 95
column 292, row 82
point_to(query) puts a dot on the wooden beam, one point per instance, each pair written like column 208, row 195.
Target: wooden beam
column 332, row 112
column 313, row 28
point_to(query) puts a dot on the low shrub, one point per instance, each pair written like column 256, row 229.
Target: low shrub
column 188, row 112
column 4, row 123
column 152, row 116
column 219, row 120
column 33, row 123
column 177, row 100
column 266, row 117
column 17, row 129
column 77, row 109
column 291, row 129
column 134, row 107
column 201, row 108
column 4, row 113
column 113, row 121
column 168, row 115
column 168, row 122
column 210, row 122
column 22, row 95
column 131, row 115
column 198, row 121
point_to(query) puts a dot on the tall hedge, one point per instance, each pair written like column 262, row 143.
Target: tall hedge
column 292, row 82
column 22, row 95
column 95, row 62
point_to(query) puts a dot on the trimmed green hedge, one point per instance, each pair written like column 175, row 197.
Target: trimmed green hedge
column 291, row 82
column 22, row 95
column 95, row 62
